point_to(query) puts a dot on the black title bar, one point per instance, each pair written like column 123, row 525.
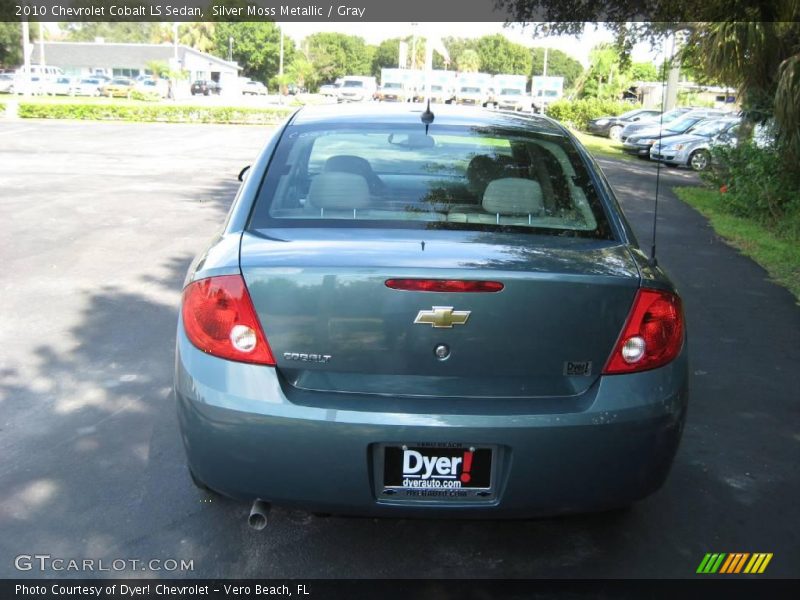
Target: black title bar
column 389, row 10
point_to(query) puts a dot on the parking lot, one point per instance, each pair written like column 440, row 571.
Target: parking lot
column 100, row 222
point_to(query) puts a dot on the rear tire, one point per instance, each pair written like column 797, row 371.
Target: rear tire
column 615, row 133
column 699, row 160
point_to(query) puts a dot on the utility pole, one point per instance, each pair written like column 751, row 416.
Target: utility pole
column 544, row 70
column 671, row 93
column 26, row 56
column 42, row 61
column 414, row 46
column 280, row 62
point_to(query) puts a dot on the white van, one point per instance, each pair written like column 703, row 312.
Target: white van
column 357, row 89
column 38, row 81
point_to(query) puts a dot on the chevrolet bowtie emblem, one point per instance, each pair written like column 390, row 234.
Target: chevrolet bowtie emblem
column 442, row 316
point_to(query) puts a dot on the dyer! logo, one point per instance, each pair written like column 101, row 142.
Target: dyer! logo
column 418, row 466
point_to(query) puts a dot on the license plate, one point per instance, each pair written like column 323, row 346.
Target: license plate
column 422, row 471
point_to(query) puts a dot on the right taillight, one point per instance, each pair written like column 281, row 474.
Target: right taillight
column 652, row 336
column 219, row 318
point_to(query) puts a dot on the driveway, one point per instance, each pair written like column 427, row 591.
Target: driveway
column 100, row 221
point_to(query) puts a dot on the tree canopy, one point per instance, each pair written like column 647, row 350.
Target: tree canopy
column 256, row 47
column 559, row 64
column 336, row 55
column 498, row 54
column 10, row 44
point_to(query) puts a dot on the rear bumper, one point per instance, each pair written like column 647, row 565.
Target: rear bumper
column 245, row 438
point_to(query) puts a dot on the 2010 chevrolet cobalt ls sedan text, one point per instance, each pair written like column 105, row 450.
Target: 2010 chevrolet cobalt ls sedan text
column 417, row 314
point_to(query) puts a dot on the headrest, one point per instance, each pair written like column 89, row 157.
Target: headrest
column 338, row 191
column 347, row 163
column 513, row 196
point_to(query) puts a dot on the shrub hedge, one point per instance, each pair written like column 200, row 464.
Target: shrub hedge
column 758, row 186
column 577, row 113
column 152, row 113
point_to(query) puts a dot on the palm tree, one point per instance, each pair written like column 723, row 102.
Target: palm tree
column 762, row 59
column 468, row 61
column 199, row 36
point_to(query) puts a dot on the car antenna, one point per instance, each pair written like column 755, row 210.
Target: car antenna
column 427, row 116
column 653, row 261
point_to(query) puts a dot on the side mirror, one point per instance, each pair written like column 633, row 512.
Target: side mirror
column 243, row 173
column 635, row 118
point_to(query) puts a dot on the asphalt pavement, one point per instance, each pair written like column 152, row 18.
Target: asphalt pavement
column 100, row 221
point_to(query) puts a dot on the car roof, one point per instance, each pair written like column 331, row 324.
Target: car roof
column 404, row 114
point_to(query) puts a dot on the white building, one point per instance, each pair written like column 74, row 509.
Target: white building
column 131, row 60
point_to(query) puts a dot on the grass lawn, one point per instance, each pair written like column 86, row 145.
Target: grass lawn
column 780, row 256
column 602, row 147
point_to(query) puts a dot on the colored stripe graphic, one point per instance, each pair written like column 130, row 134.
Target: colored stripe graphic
column 741, row 562
column 758, row 563
column 711, row 563
column 734, row 563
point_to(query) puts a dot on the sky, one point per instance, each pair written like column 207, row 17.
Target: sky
column 374, row 33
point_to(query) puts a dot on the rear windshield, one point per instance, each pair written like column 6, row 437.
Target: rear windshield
column 465, row 178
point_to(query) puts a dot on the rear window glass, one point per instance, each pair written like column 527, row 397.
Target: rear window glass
column 451, row 178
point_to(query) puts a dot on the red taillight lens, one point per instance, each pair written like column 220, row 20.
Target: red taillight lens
column 443, row 285
column 652, row 336
column 219, row 318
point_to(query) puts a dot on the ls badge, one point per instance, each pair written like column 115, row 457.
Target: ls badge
column 442, row 317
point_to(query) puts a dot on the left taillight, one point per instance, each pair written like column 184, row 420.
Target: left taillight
column 652, row 336
column 219, row 318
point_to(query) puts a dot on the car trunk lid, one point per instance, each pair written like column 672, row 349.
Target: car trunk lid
column 335, row 326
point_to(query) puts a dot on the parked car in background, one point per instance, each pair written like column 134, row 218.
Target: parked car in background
column 61, row 86
column 87, row 86
column 35, row 85
column 205, row 87
column 512, row 99
column 254, row 88
column 611, row 127
column 150, row 86
column 403, row 318
column 693, row 149
column 395, row 91
column 660, row 119
column 639, row 144
column 329, row 90
column 119, row 87
column 357, row 89
column 6, row 83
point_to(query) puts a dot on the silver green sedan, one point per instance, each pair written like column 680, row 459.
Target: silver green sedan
column 440, row 314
